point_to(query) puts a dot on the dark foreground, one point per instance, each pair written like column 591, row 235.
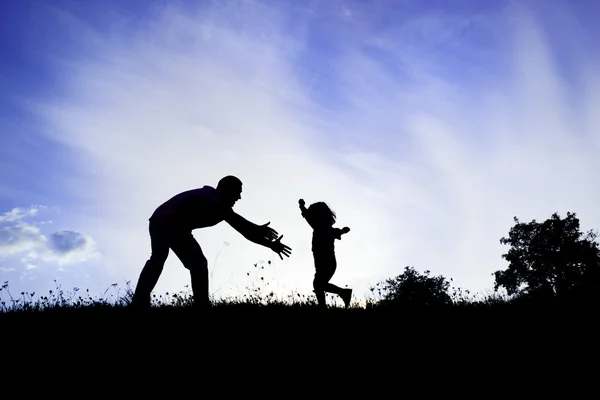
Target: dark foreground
column 290, row 341
column 400, row 318
column 87, row 323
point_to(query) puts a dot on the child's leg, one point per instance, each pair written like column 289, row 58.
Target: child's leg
column 345, row 294
column 329, row 267
column 319, row 285
column 321, row 302
column 331, row 288
column 326, row 266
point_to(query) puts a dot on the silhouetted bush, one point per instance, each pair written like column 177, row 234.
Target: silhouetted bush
column 412, row 288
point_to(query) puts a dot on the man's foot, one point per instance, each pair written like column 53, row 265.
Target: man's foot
column 347, row 296
column 202, row 306
column 138, row 309
column 139, row 302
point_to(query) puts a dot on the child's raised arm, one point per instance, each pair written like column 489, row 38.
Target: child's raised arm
column 306, row 214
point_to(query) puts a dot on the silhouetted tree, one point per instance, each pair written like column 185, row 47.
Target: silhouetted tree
column 413, row 288
column 551, row 259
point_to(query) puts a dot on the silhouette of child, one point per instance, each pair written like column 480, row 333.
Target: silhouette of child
column 320, row 217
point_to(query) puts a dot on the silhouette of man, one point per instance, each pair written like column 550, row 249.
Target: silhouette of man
column 171, row 227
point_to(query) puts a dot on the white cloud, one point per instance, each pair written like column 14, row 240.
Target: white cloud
column 18, row 213
column 21, row 237
column 426, row 170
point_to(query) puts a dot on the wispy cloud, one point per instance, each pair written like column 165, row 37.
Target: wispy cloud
column 17, row 214
column 426, row 133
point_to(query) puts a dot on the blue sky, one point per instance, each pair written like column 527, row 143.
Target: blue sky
column 425, row 125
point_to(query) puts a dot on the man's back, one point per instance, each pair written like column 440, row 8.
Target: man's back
column 193, row 209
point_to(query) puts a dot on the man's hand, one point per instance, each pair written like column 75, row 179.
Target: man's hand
column 345, row 229
column 264, row 231
column 301, row 202
column 279, row 248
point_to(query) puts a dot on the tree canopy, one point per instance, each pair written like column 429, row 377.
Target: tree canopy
column 550, row 259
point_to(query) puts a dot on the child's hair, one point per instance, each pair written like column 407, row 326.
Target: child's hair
column 322, row 212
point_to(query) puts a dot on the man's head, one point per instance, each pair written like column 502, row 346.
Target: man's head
column 230, row 189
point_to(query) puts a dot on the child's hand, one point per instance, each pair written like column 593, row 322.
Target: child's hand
column 301, row 202
column 345, row 229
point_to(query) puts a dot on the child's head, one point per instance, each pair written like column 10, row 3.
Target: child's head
column 323, row 213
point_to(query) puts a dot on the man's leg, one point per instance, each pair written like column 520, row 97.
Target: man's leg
column 190, row 253
column 153, row 267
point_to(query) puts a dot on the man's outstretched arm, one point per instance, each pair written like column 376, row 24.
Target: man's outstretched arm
column 259, row 234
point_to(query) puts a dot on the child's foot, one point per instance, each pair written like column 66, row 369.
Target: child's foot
column 347, row 296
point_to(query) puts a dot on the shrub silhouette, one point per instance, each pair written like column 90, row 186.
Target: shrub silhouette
column 550, row 260
column 412, row 288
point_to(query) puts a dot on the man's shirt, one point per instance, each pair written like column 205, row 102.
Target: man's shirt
column 193, row 209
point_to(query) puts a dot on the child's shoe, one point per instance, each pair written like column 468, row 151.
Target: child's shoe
column 347, row 296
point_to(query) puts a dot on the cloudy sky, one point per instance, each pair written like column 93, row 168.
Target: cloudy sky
column 427, row 126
